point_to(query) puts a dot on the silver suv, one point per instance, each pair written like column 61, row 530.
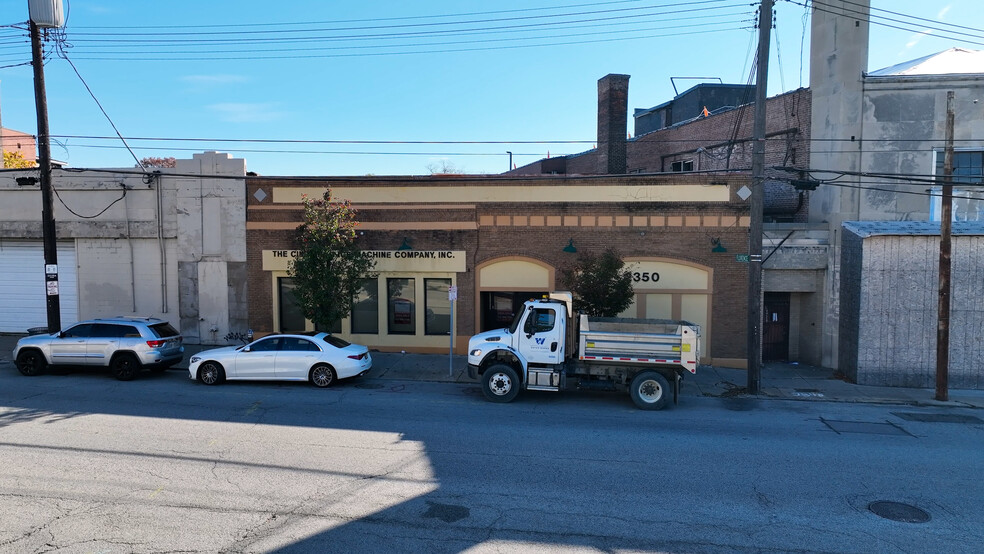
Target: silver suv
column 124, row 344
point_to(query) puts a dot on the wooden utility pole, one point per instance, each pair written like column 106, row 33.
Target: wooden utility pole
column 943, row 326
column 754, row 347
column 44, row 165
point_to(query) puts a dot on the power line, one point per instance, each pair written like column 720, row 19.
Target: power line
column 165, row 49
column 376, row 54
column 702, row 140
column 867, row 17
column 143, row 34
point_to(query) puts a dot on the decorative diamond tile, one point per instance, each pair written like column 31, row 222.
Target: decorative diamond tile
column 744, row 192
column 259, row 195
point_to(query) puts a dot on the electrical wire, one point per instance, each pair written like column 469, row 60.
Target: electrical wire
column 76, row 214
column 834, row 10
column 434, row 24
column 64, row 55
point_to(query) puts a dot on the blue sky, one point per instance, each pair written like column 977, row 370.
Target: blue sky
column 513, row 76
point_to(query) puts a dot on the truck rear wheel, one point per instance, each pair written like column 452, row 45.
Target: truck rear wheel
column 500, row 383
column 650, row 390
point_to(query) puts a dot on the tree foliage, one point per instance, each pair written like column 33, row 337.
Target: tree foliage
column 15, row 160
column 329, row 268
column 445, row 167
column 600, row 283
column 153, row 161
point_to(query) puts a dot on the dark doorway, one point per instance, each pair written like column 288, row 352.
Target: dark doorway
column 498, row 308
column 775, row 328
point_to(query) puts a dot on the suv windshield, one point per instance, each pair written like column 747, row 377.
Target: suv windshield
column 163, row 330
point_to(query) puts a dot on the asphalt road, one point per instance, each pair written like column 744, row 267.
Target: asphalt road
column 163, row 464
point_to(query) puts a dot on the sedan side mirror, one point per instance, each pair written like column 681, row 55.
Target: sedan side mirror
column 245, row 349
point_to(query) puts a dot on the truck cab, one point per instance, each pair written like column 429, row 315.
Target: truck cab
column 548, row 347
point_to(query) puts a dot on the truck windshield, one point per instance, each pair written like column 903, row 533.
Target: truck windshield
column 515, row 322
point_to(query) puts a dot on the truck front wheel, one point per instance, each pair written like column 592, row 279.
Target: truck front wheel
column 500, row 383
column 650, row 391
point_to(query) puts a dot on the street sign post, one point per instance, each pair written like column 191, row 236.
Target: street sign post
column 452, row 297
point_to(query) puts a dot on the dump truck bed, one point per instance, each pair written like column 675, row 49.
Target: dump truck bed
column 639, row 341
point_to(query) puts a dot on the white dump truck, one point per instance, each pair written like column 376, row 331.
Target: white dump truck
column 544, row 350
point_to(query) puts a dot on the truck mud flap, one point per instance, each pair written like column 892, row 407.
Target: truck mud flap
column 676, row 389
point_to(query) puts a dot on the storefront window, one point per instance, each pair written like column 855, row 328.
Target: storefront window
column 437, row 307
column 401, row 308
column 365, row 309
column 291, row 317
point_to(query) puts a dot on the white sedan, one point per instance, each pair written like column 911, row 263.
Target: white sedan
column 319, row 358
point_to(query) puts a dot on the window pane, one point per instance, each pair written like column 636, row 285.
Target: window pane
column 163, row 330
column 294, row 344
column 79, row 331
column 401, row 312
column 266, row 345
column 437, row 307
column 365, row 308
column 104, row 331
column 336, row 342
column 291, row 317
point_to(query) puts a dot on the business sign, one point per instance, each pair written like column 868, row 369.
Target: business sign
column 424, row 261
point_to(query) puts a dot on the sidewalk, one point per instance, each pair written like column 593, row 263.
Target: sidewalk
column 779, row 380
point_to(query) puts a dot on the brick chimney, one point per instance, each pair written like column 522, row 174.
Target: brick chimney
column 613, row 110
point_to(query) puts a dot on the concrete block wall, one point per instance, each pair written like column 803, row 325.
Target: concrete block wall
column 211, row 213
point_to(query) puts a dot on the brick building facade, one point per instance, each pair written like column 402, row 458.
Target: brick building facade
column 501, row 240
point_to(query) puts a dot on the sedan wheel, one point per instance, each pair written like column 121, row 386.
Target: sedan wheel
column 322, row 375
column 210, row 373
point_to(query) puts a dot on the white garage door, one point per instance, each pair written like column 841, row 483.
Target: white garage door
column 23, row 302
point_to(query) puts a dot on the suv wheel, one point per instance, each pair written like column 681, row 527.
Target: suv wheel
column 125, row 367
column 31, row 362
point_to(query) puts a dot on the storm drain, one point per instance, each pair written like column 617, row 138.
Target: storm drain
column 897, row 511
column 938, row 418
column 864, row 427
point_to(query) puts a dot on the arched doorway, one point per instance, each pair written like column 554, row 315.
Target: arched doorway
column 503, row 284
column 672, row 289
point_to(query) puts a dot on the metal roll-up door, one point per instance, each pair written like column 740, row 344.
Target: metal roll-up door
column 23, row 302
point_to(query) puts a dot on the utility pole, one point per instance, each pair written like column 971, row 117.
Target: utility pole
column 755, row 205
column 943, row 326
column 44, row 163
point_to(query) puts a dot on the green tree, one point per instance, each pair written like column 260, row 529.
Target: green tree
column 601, row 285
column 329, row 268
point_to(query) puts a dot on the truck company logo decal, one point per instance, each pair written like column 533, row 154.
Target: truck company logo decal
column 540, row 341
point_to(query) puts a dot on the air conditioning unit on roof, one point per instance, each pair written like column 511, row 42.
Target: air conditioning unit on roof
column 46, row 13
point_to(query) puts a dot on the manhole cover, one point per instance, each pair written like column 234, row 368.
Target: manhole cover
column 897, row 511
column 369, row 386
column 864, row 427
column 938, row 418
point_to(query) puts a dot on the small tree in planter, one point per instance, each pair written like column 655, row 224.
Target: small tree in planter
column 329, row 268
column 601, row 285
